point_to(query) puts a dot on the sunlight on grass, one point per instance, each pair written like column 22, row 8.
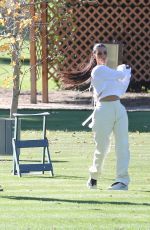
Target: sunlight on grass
column 40, row 202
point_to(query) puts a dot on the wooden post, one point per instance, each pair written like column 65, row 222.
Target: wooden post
column 44, row 52
column 33, row 56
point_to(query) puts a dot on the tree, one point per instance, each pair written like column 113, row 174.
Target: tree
column 17, row 21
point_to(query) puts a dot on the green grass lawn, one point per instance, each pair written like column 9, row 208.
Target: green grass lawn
column 40, row 202
column 6, row 72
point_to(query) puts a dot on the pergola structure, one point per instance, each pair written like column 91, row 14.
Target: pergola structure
column 109, row 21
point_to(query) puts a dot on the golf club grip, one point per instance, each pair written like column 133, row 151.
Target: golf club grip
column 128, row 67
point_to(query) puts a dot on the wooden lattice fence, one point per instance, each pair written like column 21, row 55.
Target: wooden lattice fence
column 122, row 21
column 125, row 22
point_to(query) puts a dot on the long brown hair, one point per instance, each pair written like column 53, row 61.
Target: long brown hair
column 81, row 79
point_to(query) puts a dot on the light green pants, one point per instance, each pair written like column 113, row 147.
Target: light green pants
column 111, row 117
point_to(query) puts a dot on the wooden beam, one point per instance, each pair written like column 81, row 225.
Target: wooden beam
column 33, row 59
column 44, row 52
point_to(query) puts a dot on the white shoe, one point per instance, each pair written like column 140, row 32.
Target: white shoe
column 91, row 183
column 118, row 186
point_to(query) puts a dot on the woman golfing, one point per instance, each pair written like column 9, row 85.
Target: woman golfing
column 109, row 115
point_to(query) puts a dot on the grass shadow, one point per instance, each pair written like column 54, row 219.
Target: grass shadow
column 71, row 120
column 7, row 60
column 46, row 199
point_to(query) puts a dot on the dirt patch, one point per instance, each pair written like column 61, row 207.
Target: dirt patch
column 71, row 100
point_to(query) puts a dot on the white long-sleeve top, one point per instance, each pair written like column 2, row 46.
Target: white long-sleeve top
column 106, row 81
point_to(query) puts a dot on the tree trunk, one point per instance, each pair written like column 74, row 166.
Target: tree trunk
column 16, row 78
column 14, row 102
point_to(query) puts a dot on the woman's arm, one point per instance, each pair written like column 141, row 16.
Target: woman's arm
column 127, row 74
column 104, row 73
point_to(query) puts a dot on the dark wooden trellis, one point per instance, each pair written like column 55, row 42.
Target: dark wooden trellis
column 122, row 21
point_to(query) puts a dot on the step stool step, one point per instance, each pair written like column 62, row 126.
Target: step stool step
column 27, row 168
column 31, row 143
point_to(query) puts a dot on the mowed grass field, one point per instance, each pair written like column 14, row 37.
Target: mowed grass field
column 40, row 202
column 6, row 71
column 6, row 76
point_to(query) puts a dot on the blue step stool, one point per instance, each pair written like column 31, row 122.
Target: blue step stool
column 18, row 144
